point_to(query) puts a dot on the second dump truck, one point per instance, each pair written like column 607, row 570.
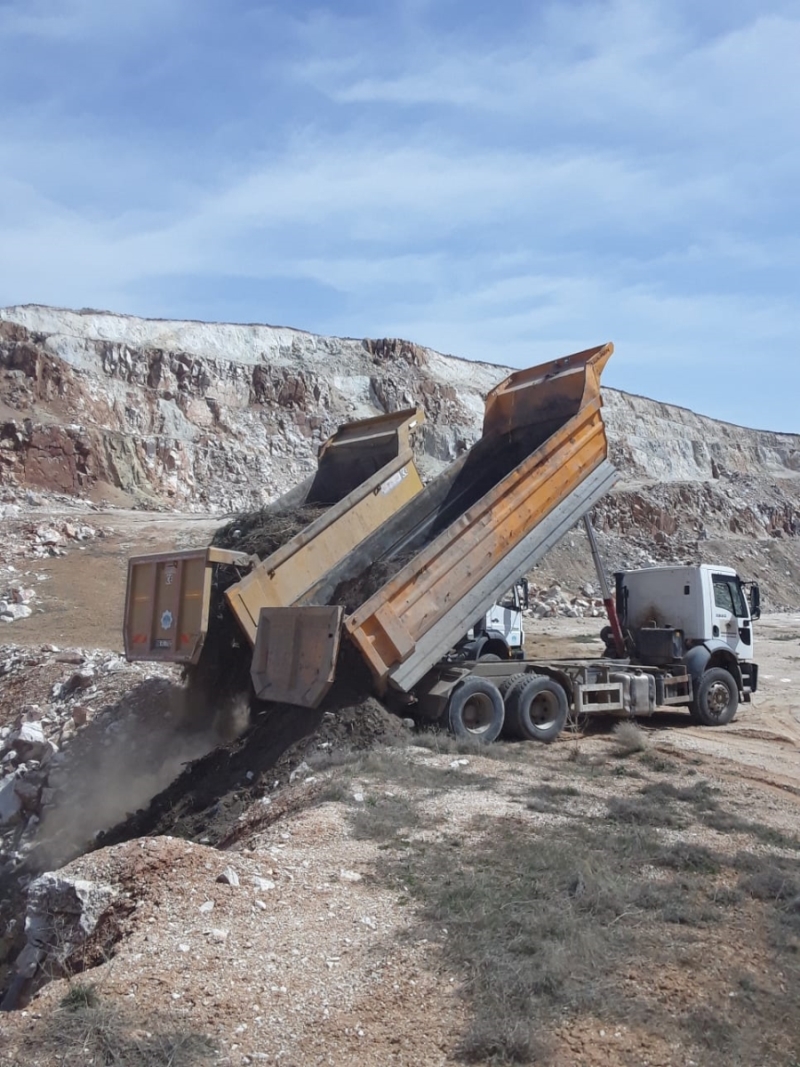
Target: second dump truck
column 404, row 587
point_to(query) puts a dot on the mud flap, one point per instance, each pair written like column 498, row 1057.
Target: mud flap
column 294, row 659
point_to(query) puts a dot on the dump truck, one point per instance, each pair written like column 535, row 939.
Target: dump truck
column 403, row 593
column 365, row 472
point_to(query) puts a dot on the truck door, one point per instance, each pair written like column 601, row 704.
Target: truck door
column 732, row 615
column 504, row 620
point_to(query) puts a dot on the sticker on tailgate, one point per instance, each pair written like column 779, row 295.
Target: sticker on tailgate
column 395, row 480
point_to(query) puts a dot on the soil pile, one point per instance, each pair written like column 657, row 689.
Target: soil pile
column 264, row 531
column 206, row 801
column 354, row 592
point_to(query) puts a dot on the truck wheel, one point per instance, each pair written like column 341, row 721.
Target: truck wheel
column 514, row 681
column 489, row 657
column 509, row 689
column 717, row 698
column 475, row 710
column 538, row 710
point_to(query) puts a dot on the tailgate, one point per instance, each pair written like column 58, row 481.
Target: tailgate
column 167, row 602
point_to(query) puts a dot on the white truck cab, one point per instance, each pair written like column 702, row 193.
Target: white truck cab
column 706, row 603
column 499, row 633
column 699, row 616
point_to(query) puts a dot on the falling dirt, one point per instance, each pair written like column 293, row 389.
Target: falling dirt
column 205, row 801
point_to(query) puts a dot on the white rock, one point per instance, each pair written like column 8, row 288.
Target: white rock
column 113, row 666
column 207, row 907
column 62, row 913
column 350, row 876
column 229, row 877
column 12, row 612
column 30, row 739
column 46, row 535
column 300, row 771
column 264, row 884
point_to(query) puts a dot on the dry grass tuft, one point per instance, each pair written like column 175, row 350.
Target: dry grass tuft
column 92, row 1029
column 628, row 739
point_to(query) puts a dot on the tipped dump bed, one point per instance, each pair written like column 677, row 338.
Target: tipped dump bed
column 412, row 589
column 365, row 473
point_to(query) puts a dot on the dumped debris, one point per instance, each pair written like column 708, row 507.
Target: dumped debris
column 264, row 531
column 354, row 592
column 206, row 801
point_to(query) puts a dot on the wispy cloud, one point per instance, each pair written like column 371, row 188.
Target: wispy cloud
column 69, row 21
column 580, row 171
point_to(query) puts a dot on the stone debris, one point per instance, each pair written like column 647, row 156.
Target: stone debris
column 301, row 771
column 62, row 913
column 31, row 743
column 553, row 602
column 229, row 877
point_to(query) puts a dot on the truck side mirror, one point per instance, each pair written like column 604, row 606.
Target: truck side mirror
column 755, row 601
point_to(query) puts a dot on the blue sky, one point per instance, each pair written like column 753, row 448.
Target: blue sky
column 508, row 181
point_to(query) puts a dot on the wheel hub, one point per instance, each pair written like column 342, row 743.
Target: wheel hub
column 718, row 697
column 478, row 713
column 543, row 710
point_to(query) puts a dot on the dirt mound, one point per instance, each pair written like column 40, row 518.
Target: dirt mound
column 264, row 531
column 205, row 802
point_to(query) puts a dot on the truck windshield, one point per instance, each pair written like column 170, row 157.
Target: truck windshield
column 728, row 595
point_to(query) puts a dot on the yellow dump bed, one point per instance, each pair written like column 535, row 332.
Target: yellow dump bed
column 365, row 473
column 407, row 593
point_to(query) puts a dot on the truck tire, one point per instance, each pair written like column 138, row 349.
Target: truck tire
column 509, row 688
column 475, row 710
column 513, row 681
column 489, row 657
column 537, row 711
column 716, row 700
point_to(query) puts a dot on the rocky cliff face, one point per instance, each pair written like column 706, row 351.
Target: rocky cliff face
column 215, row 417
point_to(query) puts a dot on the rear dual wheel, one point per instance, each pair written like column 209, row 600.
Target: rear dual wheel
column 536, row 709
column 476, row 711
column 531, row 706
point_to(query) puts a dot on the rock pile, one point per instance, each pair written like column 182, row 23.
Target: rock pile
column 553, row 602
column 48, row 696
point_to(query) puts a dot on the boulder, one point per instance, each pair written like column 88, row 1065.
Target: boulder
column 62, row 914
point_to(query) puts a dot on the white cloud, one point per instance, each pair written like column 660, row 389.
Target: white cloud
column 607, row 171
column 68, row 21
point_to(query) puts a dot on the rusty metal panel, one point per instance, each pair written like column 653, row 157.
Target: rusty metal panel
column 294, row 659
column 563, row 396
column 166, row 606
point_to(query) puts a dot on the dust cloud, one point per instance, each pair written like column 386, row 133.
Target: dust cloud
column 119, row 762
